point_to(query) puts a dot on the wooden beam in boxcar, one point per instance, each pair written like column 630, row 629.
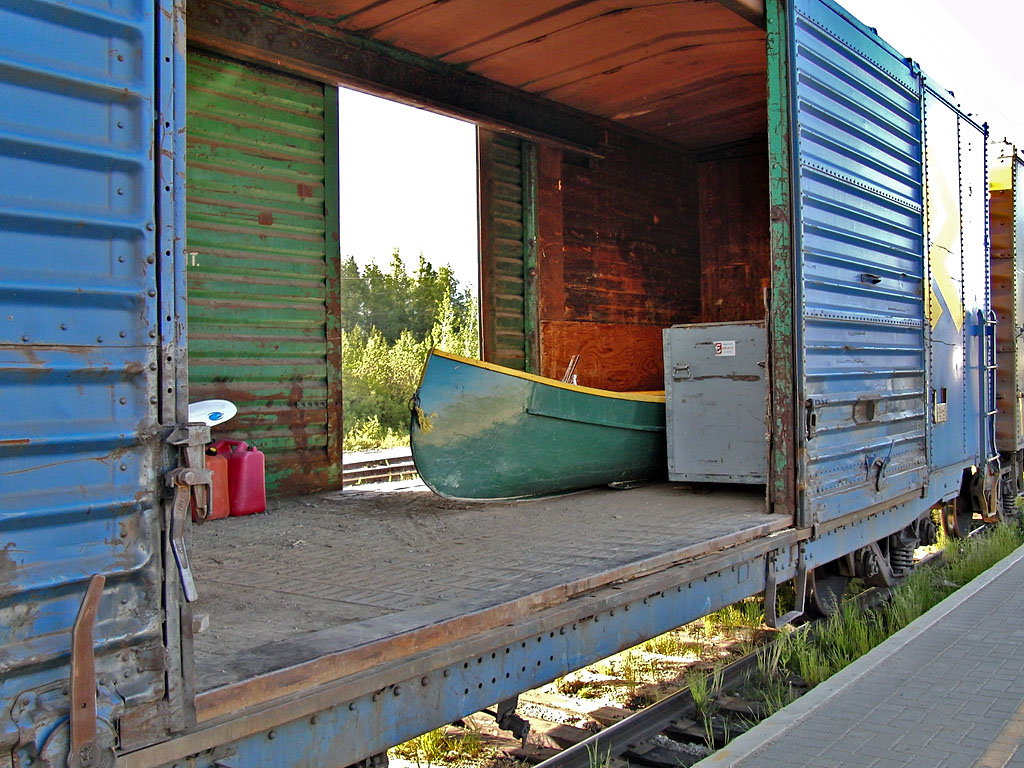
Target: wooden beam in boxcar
column 318, row 51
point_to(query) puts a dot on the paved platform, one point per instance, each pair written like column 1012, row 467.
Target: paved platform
column 947, row 690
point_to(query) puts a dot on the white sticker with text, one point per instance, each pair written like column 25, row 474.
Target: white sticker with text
column 725, row 348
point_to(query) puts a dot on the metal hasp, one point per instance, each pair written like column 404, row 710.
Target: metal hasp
column 89, row 747
column 191, row 483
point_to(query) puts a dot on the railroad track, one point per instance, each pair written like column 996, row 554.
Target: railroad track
column 377, row 466
column 656, row 736
column 674, row 731
column 653, row 736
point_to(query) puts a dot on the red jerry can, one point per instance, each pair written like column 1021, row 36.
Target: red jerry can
column 246, row 476
column 220, row 505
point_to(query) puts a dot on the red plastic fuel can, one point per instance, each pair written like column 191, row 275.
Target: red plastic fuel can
column 220, row 504
column 246, row 476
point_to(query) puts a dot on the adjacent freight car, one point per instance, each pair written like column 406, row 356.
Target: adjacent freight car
column 168, row 207
column 1006, row 214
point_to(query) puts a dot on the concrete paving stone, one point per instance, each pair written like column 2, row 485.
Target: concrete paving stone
column 884, row 712
column 943, row 708
column 913, row 740
column 1005, row 744
column 799, row 754
column 985, row 730
column 922, row 761
column 983, row 701
column 958, row 756
column 997, row 686
column 1002, row 709
column 861, row 734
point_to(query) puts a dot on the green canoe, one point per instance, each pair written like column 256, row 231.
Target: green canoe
column 483, row 432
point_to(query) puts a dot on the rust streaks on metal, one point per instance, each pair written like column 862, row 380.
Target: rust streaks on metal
column 8, row 568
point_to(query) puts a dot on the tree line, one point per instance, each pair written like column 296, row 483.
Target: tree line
column 390, row 321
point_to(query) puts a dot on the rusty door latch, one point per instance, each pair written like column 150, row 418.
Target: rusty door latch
column 184, row 480
column 193, row 489
column 771, row 617
column 89, row 747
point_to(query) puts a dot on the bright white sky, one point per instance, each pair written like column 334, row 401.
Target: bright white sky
column 408, row 177
column 408, row 181
column 970, row 47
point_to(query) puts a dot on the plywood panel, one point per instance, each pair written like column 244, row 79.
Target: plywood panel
column 619, row 357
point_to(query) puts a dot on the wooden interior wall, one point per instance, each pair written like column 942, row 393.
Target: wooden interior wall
column 618, row 259
column 734, row 241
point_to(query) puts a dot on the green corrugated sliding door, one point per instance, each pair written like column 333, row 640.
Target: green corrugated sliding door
column 263, row 285
column 508, row 183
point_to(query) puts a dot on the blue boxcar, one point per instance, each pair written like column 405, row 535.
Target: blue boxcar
column 883, row 394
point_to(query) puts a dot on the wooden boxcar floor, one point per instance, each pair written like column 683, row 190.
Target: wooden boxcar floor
column 321, row 573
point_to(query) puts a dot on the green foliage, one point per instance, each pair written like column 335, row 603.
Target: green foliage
column 979, row 554
column 746, row 614
column 597, row 759
column 440, row 746
column 672, row 644
column 850, row 632
column 703, row 688
column 390, row 321
column 395, row 301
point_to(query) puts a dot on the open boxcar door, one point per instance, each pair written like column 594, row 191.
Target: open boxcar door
column 89, row 355
column 858, row 246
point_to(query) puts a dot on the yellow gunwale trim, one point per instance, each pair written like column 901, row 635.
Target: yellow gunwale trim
column 642, row 397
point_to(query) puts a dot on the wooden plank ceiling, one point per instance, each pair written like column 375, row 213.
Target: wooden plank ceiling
column 691, row 72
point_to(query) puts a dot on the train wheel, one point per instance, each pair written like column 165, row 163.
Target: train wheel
column 957, row 518
column 825, row 589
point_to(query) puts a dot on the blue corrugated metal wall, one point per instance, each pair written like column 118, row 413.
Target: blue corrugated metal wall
column 79, row 455
column 957, row 292
column 858, row 166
